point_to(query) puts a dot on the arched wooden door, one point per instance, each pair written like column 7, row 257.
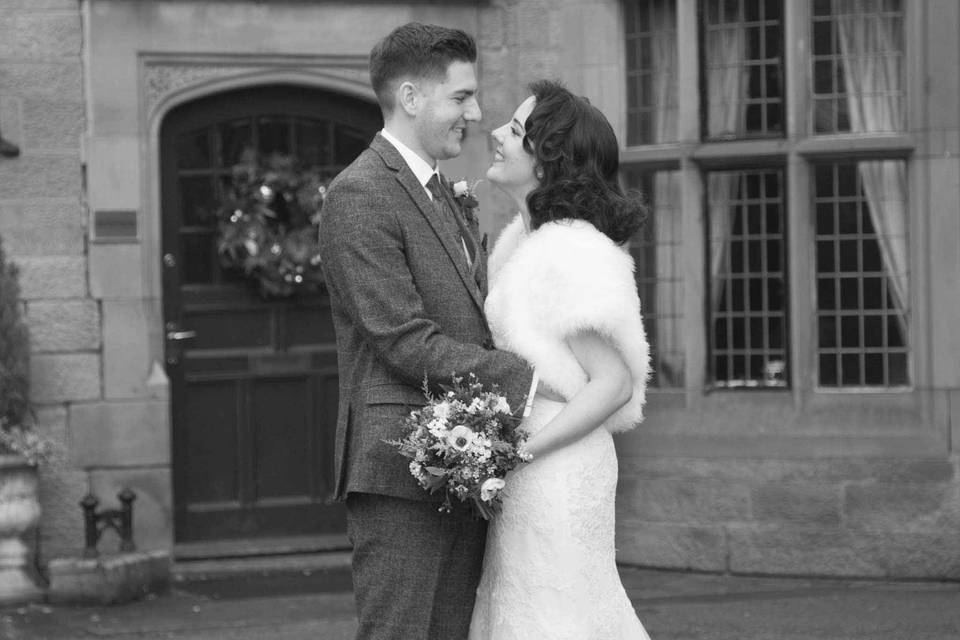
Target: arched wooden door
column 254, row 392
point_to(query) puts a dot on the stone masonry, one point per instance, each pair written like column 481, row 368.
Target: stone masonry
column 43, row 225
column 875, row 517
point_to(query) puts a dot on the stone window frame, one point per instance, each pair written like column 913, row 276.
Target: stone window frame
column 692, row 157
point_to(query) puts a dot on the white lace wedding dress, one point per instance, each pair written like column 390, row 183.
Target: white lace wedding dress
column 549, row 571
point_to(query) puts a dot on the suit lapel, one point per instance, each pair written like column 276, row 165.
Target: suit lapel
column 445, row 230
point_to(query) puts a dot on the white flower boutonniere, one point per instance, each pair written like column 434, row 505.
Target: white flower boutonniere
column 465, row 195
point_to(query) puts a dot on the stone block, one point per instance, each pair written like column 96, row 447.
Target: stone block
column 885, row 507
column 66, row 325
column 46, row 277
column 10, row 121
column 52, row 125
column 61, row 521
column 683, row 500
column 39, row 36
column 40, row 176
column 48, row 227
column 756, row 470
column 789, row 549
column 492, row 32
column 64, row 377
column 109, row 580
column 497, row 100
column 111, row 434
column 797, row 503
column 115, row 271
column 37, row 5
column 113, row 171
column 50, row 80
column 671, row 546
column 152, row 509
column 126, row 349
column 916, row 555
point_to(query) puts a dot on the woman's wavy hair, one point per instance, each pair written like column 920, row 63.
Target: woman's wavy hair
column 576, row 149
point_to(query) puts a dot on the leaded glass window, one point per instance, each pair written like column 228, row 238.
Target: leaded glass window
column 743, row 68
column 748, row 304
column 858, row 66
column 862, row 283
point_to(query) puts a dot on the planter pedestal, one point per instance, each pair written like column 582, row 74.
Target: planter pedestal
column 19, row 513
column 110, row 579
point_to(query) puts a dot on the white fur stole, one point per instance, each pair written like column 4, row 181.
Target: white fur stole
column 561, row 279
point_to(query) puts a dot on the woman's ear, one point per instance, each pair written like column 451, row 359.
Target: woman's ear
column 408, row 98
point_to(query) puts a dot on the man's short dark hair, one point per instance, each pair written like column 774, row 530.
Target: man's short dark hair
column 416, row 51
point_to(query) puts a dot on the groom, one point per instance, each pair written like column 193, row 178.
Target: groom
column 407, row 281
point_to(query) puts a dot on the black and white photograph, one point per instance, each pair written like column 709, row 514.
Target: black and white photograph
column 480, row 319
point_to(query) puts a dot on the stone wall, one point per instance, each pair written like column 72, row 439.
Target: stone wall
column 43, row 224
column 875, row 517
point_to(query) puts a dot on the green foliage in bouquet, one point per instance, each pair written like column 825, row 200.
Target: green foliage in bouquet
column 269, row 224
column 15, row 411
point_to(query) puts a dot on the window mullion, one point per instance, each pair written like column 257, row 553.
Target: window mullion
column 801, row 276
column 796, row 52
column 696, row 287
column 688, row 70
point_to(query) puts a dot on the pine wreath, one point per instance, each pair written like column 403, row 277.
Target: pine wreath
column 269, row 223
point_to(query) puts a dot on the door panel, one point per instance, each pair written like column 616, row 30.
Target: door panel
column 254, row 381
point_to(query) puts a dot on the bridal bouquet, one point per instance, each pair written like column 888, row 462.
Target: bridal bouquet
column 463, row 443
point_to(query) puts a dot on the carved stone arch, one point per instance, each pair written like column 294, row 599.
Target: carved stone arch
column 170, row 81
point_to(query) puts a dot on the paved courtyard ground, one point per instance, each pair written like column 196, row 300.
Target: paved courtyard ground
column 673, row 606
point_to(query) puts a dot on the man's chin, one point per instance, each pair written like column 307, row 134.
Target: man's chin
column 451, row 151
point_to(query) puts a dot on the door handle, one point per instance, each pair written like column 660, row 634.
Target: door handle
column 181, row 335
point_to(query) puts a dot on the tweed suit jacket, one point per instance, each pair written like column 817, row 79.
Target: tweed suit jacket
column 405, row 306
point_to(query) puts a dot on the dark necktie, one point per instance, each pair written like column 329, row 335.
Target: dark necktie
column 442, row 205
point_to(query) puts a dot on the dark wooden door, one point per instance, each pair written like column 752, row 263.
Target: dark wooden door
column 254, row 391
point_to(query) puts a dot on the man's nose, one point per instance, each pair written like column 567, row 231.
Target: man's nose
column 472, row 112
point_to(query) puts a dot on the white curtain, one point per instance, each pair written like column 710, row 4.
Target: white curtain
column 871, row 50
column 726, row 86
column 663, row 25
column 666, row 196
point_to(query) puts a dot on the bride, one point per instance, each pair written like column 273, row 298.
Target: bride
column 562, row 295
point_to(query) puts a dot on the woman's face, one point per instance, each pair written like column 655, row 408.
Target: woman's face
column 513, row 169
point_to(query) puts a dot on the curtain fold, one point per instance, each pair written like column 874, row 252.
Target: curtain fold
column 726, row 86
column 871, row 52
column 665, row 197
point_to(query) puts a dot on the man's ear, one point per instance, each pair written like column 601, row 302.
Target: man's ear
column 408, row 98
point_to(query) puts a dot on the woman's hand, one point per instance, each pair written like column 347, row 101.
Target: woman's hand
column 610, row 386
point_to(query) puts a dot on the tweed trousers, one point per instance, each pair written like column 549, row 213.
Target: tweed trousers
column 415, row 570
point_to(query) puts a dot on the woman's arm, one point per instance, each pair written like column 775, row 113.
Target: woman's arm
column 610, row 387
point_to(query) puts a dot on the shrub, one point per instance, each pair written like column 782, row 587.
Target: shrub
column 14, row 349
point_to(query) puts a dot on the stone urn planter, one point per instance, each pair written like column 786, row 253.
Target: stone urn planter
column 19, row 514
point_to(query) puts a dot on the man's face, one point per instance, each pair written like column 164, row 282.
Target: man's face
column 446, row 108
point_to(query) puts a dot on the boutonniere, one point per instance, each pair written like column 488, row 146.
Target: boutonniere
column 465, row 195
